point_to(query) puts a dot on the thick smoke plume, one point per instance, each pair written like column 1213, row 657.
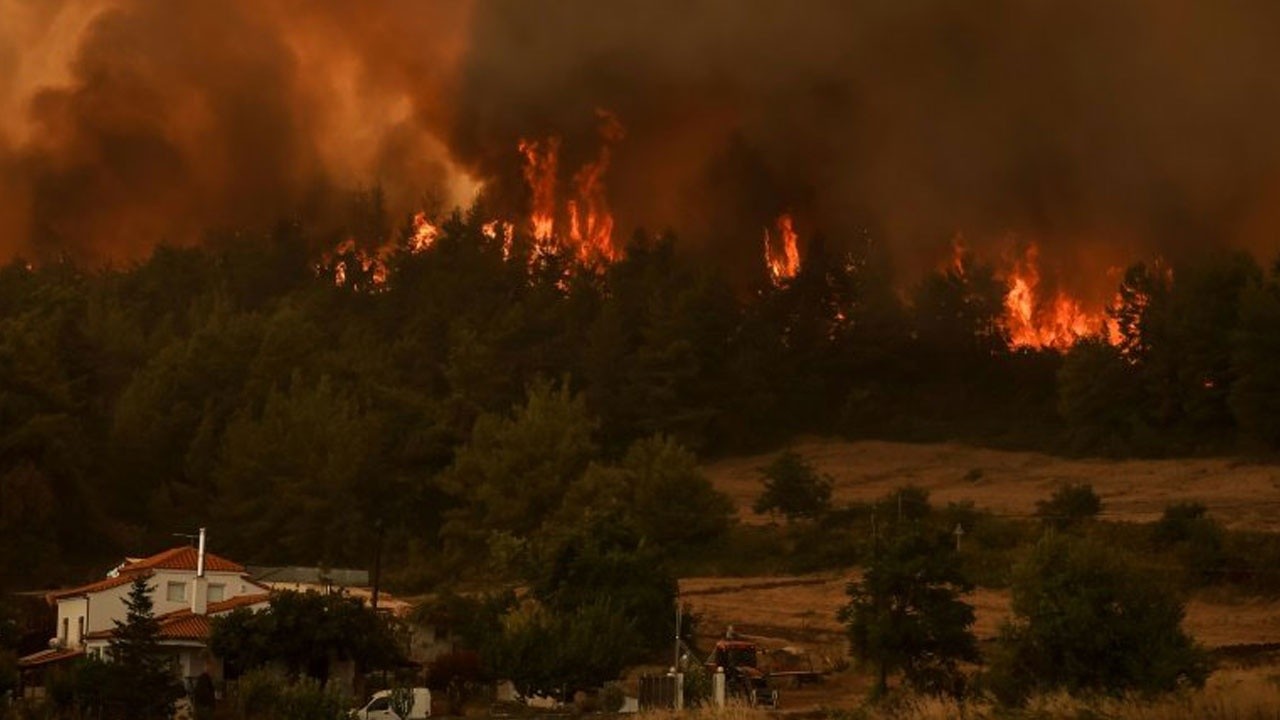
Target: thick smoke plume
column 1101, row 131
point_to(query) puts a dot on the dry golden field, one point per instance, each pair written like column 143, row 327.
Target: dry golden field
column 1240, row 494
column 798, row 612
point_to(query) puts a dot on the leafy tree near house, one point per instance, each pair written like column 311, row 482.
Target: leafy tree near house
column 140, row 682
column 303, row 632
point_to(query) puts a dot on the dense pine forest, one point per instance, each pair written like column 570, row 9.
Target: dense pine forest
column 447, row 403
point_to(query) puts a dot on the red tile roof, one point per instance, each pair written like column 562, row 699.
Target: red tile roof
column 182, row 558
column 92, row 587
column 179, row 558
column 185, row 627
column 48, row 657
column 240, row 601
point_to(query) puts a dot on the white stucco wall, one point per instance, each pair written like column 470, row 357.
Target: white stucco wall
column 70, row 612
column 104, row 607
column 100, row 609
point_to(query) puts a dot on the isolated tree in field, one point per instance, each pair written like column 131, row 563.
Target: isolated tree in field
column 905, row 614
column 1196, row 538
column 1087, row 620
column 139, row 682
column 793, row 488
column 1069, row 506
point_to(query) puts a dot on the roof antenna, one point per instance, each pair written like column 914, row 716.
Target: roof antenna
column 200, row 552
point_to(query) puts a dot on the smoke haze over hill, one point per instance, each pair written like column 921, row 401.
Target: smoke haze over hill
column 1103, row 132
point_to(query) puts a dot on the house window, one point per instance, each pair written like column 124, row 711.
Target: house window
column 66, row 625
column 80, row 630
column 217, row 593
column 176, row 592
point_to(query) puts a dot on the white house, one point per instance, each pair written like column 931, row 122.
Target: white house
column 188, row 586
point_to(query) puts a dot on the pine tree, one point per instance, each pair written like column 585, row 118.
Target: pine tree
column 143, row 686
column 906, row 614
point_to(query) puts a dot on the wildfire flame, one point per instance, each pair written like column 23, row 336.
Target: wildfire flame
column 1040, row 323
column 541, row 167
column 424, row 233
column 783, row 257
column 345, row 259
column 493, row 228
column 590, row 223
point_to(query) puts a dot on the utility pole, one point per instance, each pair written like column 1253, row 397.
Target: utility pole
column 377, row 565
column 675, row 659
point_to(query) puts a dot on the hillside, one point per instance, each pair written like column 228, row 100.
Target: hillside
column 1239, row 494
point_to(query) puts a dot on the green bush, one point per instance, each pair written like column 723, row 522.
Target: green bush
column 1086, row 619
column 306, row 699
column 1070, row 505
column 258, row 692
column 268, row 695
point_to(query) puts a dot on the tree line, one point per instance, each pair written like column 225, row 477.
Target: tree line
column 315, row 408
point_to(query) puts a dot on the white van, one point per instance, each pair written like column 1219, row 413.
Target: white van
column 379, row 706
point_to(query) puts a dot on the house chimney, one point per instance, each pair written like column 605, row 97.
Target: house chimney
column 199, row 585
column 200, row 556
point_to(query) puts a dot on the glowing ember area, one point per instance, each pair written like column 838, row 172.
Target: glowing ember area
column 589, row 234
column 424, row 233
column 354, row 268
column 495, row 228
column 781, row 255
column 1040, row 323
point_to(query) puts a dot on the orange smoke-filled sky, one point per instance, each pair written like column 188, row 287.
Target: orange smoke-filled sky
column 1103, row 132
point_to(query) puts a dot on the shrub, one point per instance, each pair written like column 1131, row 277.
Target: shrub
column 1069, row 506
column 1087, row 620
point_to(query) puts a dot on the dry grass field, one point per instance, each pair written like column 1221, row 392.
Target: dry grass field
column 1239, row 494
column 798, row 612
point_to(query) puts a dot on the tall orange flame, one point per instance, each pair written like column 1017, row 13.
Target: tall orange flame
column 783, row 257
column 590, row 223
column 541, row 168
column 1040, row 323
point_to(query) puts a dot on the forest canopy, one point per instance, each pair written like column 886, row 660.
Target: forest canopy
column 310, row 406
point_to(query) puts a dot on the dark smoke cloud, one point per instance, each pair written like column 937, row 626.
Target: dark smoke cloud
column 1103, row 131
